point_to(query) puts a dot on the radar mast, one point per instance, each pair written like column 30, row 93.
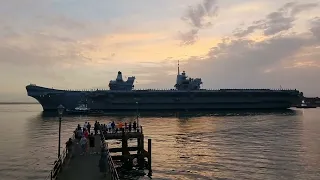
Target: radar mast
column 178, row 68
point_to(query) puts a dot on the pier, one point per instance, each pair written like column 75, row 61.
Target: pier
column 87, row 166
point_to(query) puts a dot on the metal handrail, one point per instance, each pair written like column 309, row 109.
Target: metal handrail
column 112, row 168
column 58, row 164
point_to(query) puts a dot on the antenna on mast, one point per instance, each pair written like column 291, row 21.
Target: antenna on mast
column 178, row 68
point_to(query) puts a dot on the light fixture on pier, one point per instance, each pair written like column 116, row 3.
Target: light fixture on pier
column 60, row 109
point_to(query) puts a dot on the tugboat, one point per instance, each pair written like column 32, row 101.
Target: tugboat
column 81, row 109
column 305, row 105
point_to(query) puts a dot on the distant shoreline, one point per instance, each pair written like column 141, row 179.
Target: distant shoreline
column 19, row 103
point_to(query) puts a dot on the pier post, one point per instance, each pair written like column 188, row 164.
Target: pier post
column 149, row 158
column 124, row 143
column 59, row 137
column 142, row 143
column 138, row 144
column 126, row 158
column 60, row 109
column 140, row 153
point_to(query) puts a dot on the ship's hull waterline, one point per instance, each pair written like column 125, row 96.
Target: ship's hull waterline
column 108, row 100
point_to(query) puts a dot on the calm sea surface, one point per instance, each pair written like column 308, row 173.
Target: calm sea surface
column 275, row 146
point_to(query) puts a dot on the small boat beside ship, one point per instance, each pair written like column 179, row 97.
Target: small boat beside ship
column 306, row 105
column 81, row 109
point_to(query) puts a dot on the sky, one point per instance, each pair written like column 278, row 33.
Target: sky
column 81, row 44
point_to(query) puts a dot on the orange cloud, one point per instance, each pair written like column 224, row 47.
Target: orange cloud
column 145, row 47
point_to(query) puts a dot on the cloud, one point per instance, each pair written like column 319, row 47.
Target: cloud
column 315, row 27
column 189, row 37
column 276, row 22
column 64, row 22
column 287, row 59
column 266, row 64
column 198, row 17
column 42, row 49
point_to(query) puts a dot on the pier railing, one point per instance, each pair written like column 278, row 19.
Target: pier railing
column 111, row 167
column 57, row 166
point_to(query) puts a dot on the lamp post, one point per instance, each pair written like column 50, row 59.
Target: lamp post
column 60, row 112
column 137, row 114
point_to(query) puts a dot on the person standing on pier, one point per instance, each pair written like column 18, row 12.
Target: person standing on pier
column 89, row 126
column 79, row 134
column 83, row 143
column 134, row 126
column 113, row 125
column 69, row 145
column 109, row 127
column 120, row 126
column 86, row 134
column 85, row 125
column 130, row 126
column 91, row 143
column 95, row 128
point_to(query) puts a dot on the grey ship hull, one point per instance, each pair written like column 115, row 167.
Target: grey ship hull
column 109, row 100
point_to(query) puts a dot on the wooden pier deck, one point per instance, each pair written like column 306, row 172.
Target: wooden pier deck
column 83, row 166
column 87, row 166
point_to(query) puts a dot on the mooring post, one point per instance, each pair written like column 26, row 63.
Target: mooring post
column 142, row 143
column 138, row 144
column 124, row 143
column 149, row 158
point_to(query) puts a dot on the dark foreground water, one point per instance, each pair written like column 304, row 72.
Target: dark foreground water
column 282, row 145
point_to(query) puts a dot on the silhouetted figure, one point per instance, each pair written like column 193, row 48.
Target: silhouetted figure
column 69, row 145
column 79, row 134
column 89, row 126
column 109, row 127
column 134, row 126
column 113, row 125
column 95, row 128
column 91, row 142
column 130, row 127
column 83, row 143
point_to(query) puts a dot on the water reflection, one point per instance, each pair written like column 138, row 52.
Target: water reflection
column 186, row 145
column 182, row 114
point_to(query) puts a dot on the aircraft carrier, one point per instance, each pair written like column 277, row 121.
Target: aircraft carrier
column 186, row 95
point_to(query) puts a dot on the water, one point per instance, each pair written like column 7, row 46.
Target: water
column 283, row 145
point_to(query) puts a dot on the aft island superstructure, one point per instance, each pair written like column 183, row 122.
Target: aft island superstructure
column 187, row 95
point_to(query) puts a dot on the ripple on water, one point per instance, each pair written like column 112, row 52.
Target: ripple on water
column 254, row 146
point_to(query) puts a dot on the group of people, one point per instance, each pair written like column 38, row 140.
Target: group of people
column 86, row 138
column 112, row 127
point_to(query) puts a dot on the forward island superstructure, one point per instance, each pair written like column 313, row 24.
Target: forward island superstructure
column 187, row 95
